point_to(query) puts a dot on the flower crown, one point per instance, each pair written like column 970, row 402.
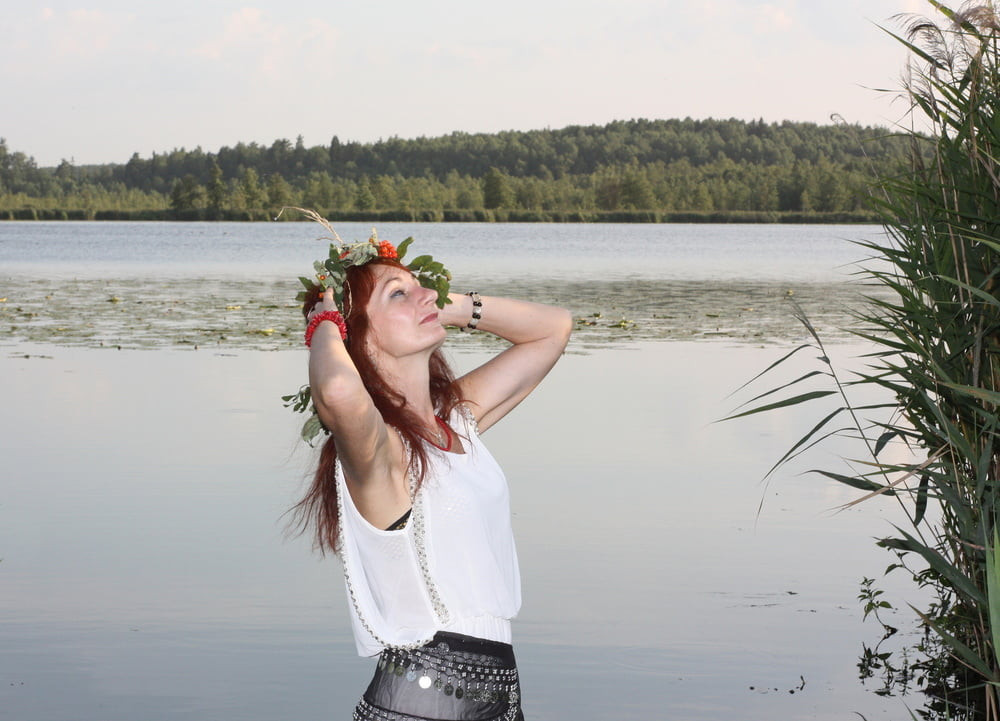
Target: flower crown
column 332, row 273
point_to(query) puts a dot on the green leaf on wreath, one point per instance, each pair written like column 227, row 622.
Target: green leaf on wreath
column 311, row 428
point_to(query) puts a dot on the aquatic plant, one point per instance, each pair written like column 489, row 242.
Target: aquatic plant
column 935, row 353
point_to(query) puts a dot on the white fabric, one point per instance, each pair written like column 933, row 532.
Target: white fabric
column 464, row 505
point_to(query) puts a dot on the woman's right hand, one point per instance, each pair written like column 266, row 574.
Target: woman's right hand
column 323, row 302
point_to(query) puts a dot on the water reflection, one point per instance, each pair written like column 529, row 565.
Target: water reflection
column 145, row 574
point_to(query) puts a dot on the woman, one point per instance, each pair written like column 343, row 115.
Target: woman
column 405, row 492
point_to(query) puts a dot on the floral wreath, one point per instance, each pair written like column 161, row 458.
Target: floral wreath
column 331, row 273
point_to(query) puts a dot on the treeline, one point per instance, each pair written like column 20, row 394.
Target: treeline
column 659, row 168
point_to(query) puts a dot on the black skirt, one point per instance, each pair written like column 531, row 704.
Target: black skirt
column 451, row 678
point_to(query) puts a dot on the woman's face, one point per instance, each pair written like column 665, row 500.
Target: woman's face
column 402, row 314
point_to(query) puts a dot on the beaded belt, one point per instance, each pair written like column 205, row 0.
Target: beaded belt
column 453, row 677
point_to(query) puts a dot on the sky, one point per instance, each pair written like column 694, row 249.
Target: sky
column 95, row 81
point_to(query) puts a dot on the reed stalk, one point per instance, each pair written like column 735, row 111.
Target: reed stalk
column 935, row 339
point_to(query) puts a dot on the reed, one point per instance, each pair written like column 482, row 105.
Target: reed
column 935, row 338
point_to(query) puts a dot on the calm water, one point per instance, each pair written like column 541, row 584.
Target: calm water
column 546, row 251
column 145, row 572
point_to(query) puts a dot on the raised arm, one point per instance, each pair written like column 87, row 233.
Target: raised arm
column 539, row 334
column 371, row 455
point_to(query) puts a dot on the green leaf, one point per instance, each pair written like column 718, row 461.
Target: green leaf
column 311, row 428
column 980, row 393
column 360, row 254
column 774, row 365
column 883, row 439
column 800, row 379
column 920, row 506
column 299, row 401
column 804, row 444
column 793, row 401
column 856, row 482
column 402, row 248
column 962, row 650
column 419, row 262
column 993, row 591
column 978, row 292
column 945, row 570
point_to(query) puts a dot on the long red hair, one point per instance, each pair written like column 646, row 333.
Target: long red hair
column 318, row 508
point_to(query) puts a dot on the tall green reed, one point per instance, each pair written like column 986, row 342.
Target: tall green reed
column 934, row 331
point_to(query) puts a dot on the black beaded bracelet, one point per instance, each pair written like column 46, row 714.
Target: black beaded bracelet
column 477, row 310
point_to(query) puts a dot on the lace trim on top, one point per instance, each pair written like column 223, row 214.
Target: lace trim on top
column 419, row 546
column 470, row 419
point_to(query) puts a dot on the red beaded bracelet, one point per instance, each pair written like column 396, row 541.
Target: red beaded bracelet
column 330, row 315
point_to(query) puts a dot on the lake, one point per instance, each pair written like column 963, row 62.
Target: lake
column 145, row 568
column 142, row 285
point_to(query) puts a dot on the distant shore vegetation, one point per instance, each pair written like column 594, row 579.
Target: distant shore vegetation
column 625, row 171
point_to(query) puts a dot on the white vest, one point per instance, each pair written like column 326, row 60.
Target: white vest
column 452, row 568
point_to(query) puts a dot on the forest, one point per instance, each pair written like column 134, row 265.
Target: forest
column 639, row 170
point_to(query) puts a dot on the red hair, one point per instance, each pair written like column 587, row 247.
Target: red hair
column 318, row 508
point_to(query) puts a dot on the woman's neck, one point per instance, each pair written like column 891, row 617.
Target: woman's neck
column 411, row 377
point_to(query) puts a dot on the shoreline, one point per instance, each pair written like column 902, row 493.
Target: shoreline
column 499, row 215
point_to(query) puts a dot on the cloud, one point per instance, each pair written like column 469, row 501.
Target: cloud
column 241, row 30
column 250, row 38
column 773, row 18
column 82, row 33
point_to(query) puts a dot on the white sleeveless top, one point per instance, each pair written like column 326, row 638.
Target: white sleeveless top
column 452, row 568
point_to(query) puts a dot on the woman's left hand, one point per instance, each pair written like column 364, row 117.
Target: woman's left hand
column 458, row 312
